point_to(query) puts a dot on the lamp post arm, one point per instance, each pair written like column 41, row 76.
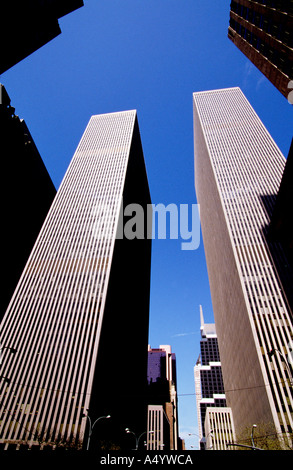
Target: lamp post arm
column 140, row 437
column 243, row 445
column 97, row 421
column 90, row 425
column 137, row 439
column 286, row 362
column 90, row 432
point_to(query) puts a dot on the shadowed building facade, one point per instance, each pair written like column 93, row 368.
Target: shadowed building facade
column 81, row 299
column 27, row 26
column 238, row 171
column 263, row 31
column 281, row 226
column 27, row 193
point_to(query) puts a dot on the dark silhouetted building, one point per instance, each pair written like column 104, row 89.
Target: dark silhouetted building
column 28, row 25
column 27, row 193
column 263, row 31
column 280, row 225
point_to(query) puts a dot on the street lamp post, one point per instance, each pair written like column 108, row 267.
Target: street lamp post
column 272, row 352
column 137, row 439
column 91, row 426
column 206, row 437
column 6, row 379
column 233, row 444
column 252, row 431
column 13, row 351
column 193, row 434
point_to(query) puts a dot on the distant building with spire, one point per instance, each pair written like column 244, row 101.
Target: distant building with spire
column 209, row 388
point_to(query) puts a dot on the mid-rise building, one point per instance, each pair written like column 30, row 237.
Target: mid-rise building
column 27, row 26
column 219, row 428
column 27, row 192
column 83, row 296
column 209, row 386
column 263, row 31
column 162, row 392
column 158, row 428
column 238, row 171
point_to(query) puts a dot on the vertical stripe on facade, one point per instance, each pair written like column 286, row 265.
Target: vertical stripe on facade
column 54, row 317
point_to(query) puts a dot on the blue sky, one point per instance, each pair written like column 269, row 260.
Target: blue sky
column 148, row 55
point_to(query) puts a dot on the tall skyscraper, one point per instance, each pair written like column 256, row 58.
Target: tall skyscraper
column 263, row 31
column 209, row 386
column 238, row 170
column 162, row 399
column 27, row 26
column 81, row 299
column 27, row 192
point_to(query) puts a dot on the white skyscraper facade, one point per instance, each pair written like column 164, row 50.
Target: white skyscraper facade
column 81, row 297
column 238, row 170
